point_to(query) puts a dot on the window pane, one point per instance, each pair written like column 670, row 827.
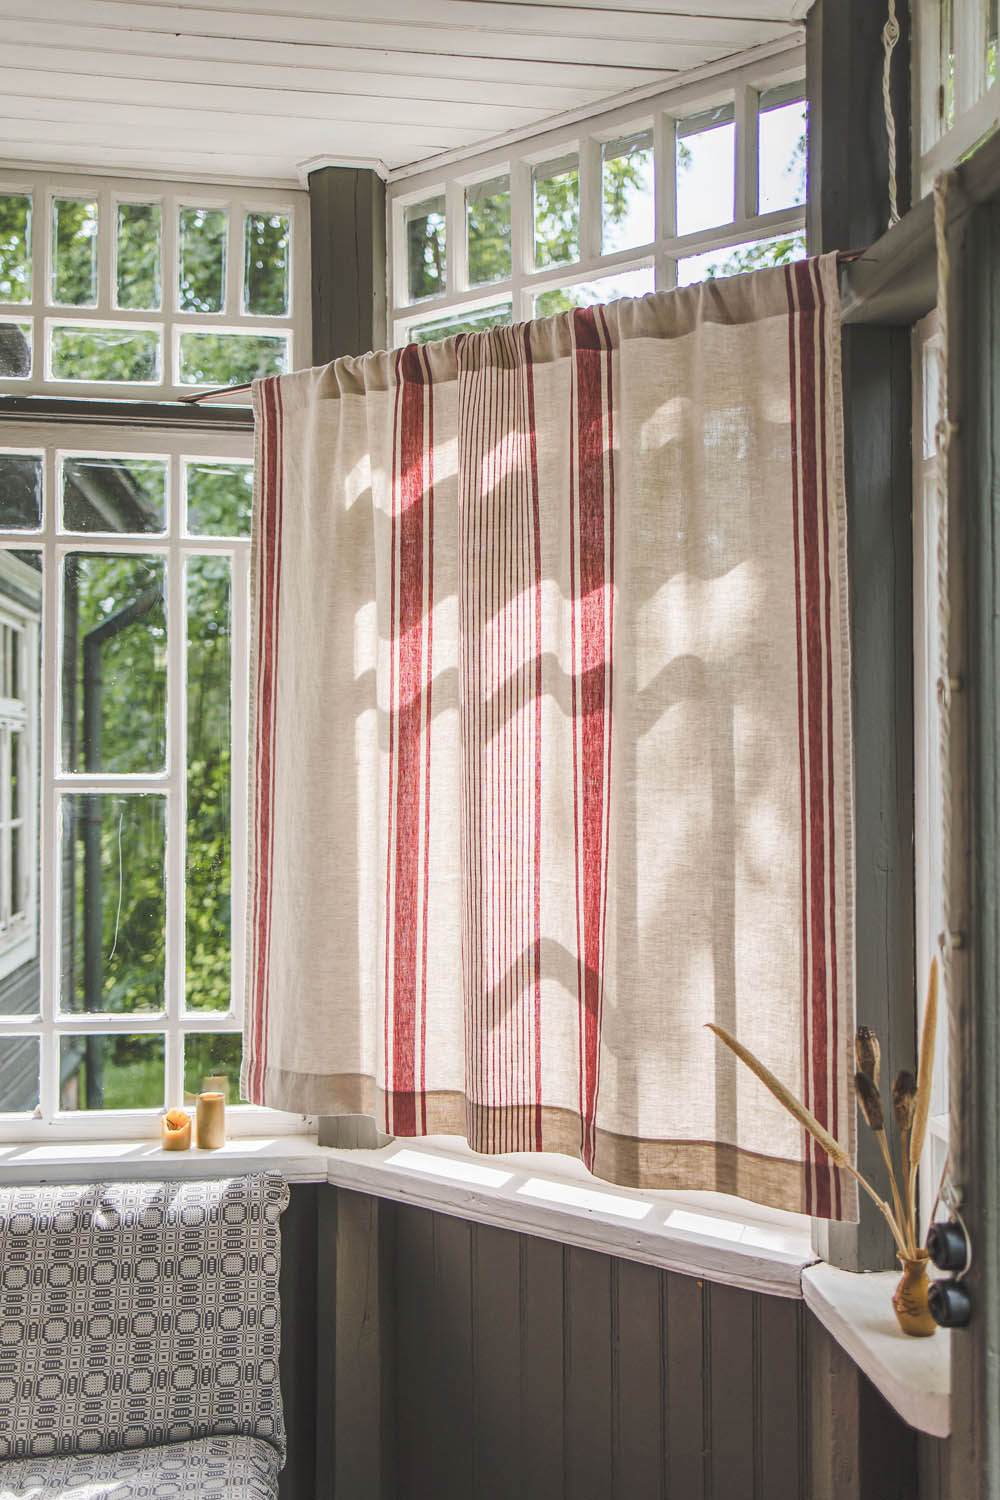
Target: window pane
column 474, row 322
column 782, row 161
column 231, row 358
column 265, row 265
column 750, row 256
column 426, row 251
column 487, row 216
column 991, row 42
column 111, row 1072
column 20, row 736
column 113, row 848
column 20, row 491
column 18, row 1074
column 114, row 494
column 137, row 275
column 219, row 498
column 946, row 94
column 209, row 845
column 74, row 252
column 627, row 192
column 202, row 234
column 87, row 352
column 556, row 199
column 706, row 171
column 15, row 247
column 15, row 351
column 114, row 663
column 212, row 1065
column 587, row 293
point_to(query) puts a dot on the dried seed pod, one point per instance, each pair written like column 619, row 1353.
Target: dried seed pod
column 904, row 1098
column 870, row 1101
column 867, row 1053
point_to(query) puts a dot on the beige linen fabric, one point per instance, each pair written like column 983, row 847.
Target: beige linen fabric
column 551, row 755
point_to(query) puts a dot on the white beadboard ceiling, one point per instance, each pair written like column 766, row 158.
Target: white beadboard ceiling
column 229, row 90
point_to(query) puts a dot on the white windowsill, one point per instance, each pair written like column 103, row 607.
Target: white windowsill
column 297, row 1158
column 696, row 1234
column 914, row 1375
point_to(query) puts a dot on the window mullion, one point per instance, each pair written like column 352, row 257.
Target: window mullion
column 591, row 247
column 50, row 842
column 176, row 793
column 239, row 593
column 745, row 113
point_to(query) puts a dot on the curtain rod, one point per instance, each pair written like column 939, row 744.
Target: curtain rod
column 844, row 257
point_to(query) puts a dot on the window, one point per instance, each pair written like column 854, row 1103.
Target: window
column 699, row 181
column 955, row 93
column 124, row 555
column 147, row 289
column 928, row 850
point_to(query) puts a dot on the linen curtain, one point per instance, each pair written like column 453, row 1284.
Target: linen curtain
column 550, row 752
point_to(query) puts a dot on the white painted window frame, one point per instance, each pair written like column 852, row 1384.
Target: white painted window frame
column 169, row 322
column 54, row 442
column 19, row 934
column 584, row 132
column 927, row 775
column 977, row 108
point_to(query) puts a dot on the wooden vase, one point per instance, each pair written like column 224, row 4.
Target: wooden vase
column 909, row 1300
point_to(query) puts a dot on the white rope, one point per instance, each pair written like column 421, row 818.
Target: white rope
column 943, row 433
column 890, row 36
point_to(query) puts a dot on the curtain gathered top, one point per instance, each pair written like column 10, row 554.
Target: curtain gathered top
column 551, row 744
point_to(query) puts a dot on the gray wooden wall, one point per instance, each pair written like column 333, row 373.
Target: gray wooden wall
column 428, row 1358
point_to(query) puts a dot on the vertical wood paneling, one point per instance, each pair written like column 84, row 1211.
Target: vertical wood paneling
column 496, row 1363
column 416, row 1348
column 730, row 1352
column 542, row 1403
column 687, row 1438
column 587, row 1373
column 780, row 1382
column 454, row 1383
column 639, row 1466
column 297, row 1288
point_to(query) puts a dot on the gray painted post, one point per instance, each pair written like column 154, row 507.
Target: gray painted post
column 848, row 208
column 347, row 233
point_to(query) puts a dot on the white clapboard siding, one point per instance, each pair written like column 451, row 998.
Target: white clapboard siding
column 223, row 88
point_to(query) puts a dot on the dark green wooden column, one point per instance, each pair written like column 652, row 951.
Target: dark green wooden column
column 347, row 232
column 849, row 208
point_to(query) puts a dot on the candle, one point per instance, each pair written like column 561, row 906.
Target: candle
column 175, row 1130
column 210, row 1122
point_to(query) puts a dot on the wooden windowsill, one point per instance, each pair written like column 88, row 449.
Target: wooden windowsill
column 914, row 1375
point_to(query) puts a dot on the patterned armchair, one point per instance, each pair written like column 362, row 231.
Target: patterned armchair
column 139, row 1338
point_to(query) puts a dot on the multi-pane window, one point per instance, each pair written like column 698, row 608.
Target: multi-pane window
column 131, row 288
column 955, row 82
column 126, row 554
column 700, row 181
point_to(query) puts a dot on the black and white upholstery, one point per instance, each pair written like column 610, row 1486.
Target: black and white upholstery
column 140, row 1321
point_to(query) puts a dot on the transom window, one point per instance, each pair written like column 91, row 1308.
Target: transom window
column 955, row 82
column 126, row 553
column 706, row 180
column 138, row 288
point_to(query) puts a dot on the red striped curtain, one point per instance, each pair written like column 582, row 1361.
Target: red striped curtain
column 551, row 755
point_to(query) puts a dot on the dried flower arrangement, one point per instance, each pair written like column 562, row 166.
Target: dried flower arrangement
column 911, row 1107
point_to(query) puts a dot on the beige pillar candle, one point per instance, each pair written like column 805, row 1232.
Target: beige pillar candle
column 175, row 1130
column 210, row 1122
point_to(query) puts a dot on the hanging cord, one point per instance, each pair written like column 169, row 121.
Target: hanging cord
column 890, row 36
column 946, row 684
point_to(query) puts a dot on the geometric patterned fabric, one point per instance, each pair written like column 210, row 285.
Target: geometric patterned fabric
column 139, row 1313
column 216, row 1468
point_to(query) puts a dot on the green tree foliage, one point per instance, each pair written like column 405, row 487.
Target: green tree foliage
column 15, row 248
column 426, row 250
column 265, row 277
column 74, row 252
column 202, row 234
column 488, row 231
column 557, row 215
column 231, row 358
column 139, row 241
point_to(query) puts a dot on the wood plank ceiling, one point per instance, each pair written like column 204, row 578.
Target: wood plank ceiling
column 231, row 90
